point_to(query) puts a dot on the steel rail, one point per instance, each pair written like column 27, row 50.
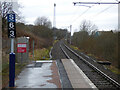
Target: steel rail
column 95, row 68
column 64, row 52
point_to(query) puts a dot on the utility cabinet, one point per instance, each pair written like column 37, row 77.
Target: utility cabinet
column 22, row 50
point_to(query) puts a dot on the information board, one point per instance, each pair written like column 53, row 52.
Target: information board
column 21, row 47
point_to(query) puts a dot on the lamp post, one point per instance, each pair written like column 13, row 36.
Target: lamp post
column 70, row 32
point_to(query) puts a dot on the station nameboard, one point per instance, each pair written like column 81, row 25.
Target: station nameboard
column 11, row 25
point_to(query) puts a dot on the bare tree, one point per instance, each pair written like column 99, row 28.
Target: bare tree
column 43, row 21
column 88, row 26
column 8, row 7
column 5, row 8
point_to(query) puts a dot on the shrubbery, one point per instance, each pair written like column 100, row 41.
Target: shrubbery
column 104, row 45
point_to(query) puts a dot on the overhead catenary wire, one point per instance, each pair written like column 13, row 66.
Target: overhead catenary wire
column 89, row 7
column 78, row 3
column 118, row 2
column 80, row 16
column 95, row 3
column 75, row 13
column 102, row 11
column 83, row 12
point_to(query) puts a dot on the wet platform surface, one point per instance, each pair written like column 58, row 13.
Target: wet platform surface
column 42, row 74
column 62, row 73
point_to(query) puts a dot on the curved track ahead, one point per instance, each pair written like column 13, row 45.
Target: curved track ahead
column 99, row 78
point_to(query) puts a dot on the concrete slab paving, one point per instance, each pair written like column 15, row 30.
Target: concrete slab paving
column 77, row 78
column 39, row 77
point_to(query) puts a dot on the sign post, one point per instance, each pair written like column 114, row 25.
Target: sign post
column 12, row 35
column 21, row 48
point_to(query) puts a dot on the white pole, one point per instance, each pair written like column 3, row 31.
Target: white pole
column 0, row 48
column 33, row 49
column 54, row 22
column 12, row 45
column 119, row 17
column 70, row 32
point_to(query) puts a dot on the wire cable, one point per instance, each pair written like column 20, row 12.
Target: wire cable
column 102, row 11
column 80, row 16
column 83, row 12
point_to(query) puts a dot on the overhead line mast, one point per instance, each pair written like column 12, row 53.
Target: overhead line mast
column 96, row 3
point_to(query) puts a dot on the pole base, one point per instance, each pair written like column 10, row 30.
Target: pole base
column 12, row 70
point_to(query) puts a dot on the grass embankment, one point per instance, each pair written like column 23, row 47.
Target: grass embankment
column 55, row 41
column 111, row 67
column 5, row 72
column 41, row 54
column 5, row 68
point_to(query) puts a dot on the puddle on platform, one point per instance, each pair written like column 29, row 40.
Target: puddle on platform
column 35, row 77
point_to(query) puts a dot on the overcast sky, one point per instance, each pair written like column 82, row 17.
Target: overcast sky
column 104, row 16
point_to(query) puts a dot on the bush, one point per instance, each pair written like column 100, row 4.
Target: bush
column 41, row 54
column 105, row 45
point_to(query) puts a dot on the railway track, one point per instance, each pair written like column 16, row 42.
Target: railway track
column 99, row 78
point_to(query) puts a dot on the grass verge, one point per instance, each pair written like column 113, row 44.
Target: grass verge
column 41, row 54
column 111, row 68
column 5, row 73
column 114, row 70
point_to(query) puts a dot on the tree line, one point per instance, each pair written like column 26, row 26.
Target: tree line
column 103, row 44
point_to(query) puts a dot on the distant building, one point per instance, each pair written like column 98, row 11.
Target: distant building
column 98, row 33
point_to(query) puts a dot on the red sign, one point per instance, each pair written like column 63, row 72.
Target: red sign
column 21, row 47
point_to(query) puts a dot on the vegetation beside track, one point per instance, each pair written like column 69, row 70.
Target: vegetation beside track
column 111, row 67
column 40, row 54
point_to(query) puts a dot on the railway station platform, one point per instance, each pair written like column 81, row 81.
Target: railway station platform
column 76, row 76
column 39, row 74
column 62, row 74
